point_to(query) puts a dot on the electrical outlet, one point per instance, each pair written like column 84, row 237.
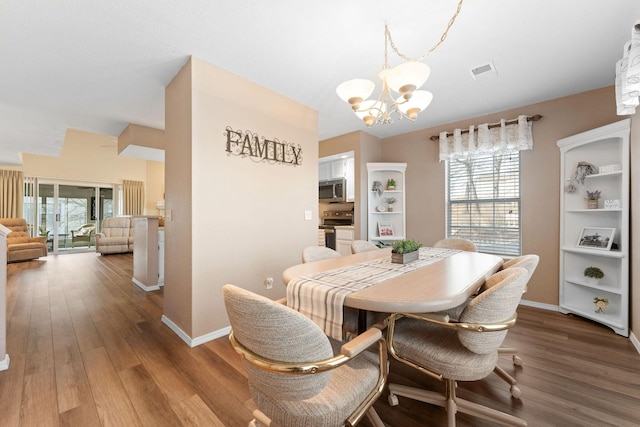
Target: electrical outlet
column 268, row 282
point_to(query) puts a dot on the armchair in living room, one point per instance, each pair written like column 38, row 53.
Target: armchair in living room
column 83, row 234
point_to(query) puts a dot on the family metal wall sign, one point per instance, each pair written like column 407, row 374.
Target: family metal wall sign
column 248, row 144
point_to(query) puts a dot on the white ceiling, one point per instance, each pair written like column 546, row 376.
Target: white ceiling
column 98, row 65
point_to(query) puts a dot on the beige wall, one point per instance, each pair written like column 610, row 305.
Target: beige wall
column 178, row 210
column 366, row 148
column 155, row 186
column 86, row 156
column 247, row 217
column 141, row 136
column 540, row 181
column 93, row 158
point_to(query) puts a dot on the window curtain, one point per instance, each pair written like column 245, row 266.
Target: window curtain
column 487, row 139
column 628, row 75
column 11, row 191
column 133, row 197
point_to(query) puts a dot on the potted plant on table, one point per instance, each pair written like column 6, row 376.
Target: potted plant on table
column 593, row 275
column 405, row 251
column 592, row 199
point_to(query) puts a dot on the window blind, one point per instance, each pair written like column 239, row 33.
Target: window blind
column 483, row 202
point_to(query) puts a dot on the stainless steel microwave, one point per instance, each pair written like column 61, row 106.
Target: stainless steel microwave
column 332, row 191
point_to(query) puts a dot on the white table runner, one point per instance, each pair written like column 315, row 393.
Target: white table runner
column 321, row 296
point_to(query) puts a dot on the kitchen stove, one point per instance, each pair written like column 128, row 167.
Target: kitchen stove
column 331, row 219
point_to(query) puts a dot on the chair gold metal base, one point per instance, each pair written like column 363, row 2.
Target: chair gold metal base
column 452, row 404
column 261, row 420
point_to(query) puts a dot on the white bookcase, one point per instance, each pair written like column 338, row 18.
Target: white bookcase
column 378, row 209
column 607, row 148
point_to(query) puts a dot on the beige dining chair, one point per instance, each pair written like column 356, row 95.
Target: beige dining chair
column 456, row 243
column 464, row 350
column 317, row 253
column 297, row 375
column 530, row 263
column 358, row 246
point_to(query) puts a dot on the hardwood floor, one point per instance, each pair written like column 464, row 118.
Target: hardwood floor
column 87, row 348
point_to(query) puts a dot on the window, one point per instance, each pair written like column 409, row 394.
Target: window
column 483, row 202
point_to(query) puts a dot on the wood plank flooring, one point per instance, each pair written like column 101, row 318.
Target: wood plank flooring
column 87, row 348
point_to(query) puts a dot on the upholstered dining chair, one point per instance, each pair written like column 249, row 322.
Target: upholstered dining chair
column 297, row 375
column 358, row 246
column 317, row 253
column 530, row 263
column 464, row 350
column 456, row 243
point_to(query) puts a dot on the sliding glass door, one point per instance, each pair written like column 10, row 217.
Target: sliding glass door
column 70, row 215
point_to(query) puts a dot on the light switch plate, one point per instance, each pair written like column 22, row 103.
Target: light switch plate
column 307, row 215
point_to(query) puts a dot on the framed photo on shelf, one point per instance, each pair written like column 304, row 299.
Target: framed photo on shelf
column 385, row 228
column 596, row 238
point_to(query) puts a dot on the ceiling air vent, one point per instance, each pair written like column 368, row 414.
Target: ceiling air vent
column 484, row 72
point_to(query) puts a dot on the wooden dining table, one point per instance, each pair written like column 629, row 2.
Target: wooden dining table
column 443, row 284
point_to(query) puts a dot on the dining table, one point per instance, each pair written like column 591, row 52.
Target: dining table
column 369, row 281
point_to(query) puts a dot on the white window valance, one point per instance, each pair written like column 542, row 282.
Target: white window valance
column 485, row 139
column 628, row 75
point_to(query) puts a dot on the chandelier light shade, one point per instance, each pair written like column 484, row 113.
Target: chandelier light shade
column 418, row 102
column 404, row 79
column 355, row 91
column 370, row 110
column 407, row 77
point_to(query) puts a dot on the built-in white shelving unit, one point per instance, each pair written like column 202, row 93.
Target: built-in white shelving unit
column 607, row 147
column 379, row 210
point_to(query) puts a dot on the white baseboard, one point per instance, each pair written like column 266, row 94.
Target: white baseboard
column 543, row 306
column 192, row 342
column 4, row 364
column 211, row 336
column 634, row 341
column 145, row 287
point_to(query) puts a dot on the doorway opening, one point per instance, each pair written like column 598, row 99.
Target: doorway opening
column 68, row 214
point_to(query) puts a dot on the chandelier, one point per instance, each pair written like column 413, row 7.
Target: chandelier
column 404, row 79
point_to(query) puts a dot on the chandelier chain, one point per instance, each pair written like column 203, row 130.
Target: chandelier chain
column 434, row 47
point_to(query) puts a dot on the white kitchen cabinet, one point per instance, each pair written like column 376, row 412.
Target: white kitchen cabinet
column 386, row 222
column 350, row 177
column 336, row 168
column 344, row 237
column 324, row 171
column 145, row 252
column 607, row 148
column 161, row 256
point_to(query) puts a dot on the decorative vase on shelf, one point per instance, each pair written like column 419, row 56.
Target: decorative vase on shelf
column 592, row 275
column 592, row 199
column 601, row 304
column 592, row 281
